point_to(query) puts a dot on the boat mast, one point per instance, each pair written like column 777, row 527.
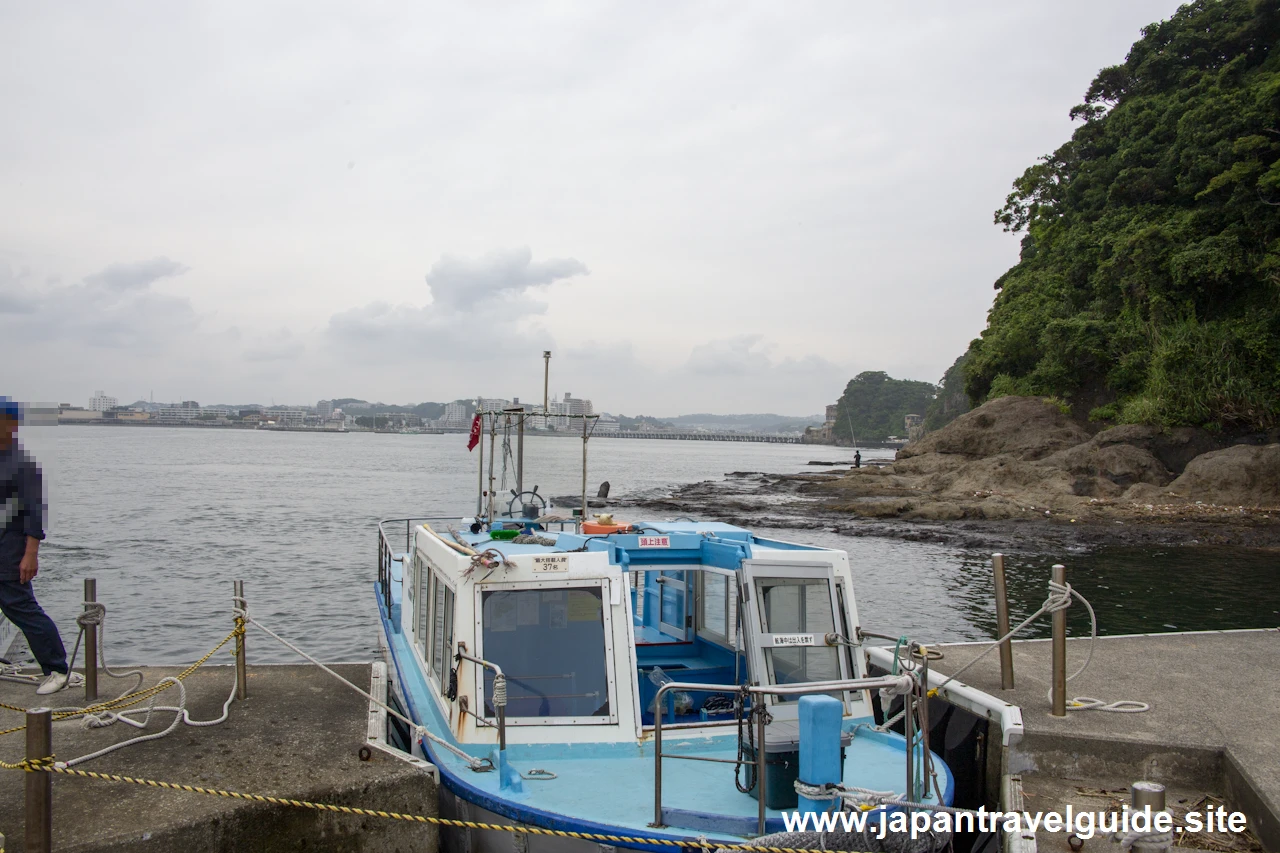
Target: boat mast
column 480, row 470
column 546, row 378
column 520, row 452
column 584, row 469
column 493, row 437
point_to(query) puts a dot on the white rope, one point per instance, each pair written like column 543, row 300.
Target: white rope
column 867, row 796
column 95, row 613
column 13, row 672
column 477, row 764
column 1059, row 598
column 181, row 716
column 1145, row 840
column 1088, row 703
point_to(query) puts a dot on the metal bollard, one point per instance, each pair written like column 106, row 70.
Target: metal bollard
column 39, row 784
column 1144, row 794
column 1059, row 703
column 1002, row 622
column 242, row 683
column 90, row 644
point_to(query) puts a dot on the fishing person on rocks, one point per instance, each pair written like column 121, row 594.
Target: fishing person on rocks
column 22, row 511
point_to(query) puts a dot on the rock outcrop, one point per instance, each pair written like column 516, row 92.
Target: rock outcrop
column 1018, row 455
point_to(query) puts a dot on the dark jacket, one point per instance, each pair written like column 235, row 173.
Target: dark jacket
column 22, row 507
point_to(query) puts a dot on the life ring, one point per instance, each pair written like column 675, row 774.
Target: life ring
column 596, row 528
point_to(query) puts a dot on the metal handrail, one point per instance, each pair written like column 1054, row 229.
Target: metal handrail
column 752, row 690
column 500, row 711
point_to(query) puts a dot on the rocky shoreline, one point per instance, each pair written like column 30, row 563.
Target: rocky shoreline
column 1018, row 474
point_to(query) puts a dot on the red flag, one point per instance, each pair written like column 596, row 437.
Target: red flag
column 475, row 434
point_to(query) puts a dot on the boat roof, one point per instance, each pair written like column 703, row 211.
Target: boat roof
column 687, row 536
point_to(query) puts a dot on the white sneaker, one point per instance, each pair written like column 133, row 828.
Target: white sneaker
column 59, row 681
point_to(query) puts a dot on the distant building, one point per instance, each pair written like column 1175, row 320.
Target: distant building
column 285, row 416
column 100, row 402
column 491, row 404
column 558, row 411
column 454, row 417
column 184, row 413
column 71, row 414
column 915, row 427
column 324, row 409
column 607, row 424
column 825, row 434
column 128, row 415
column 577, row 405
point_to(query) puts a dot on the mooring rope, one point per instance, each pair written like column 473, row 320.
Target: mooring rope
column 477, row 764
column 1059, row 598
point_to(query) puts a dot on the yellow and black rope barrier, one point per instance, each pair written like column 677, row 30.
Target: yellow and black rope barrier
column 47, row 765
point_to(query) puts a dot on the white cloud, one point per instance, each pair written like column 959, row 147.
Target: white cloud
column 115, row 308
column 461, row 283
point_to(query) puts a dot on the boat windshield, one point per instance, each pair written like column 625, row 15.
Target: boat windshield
column 551, row 647
column 798, row 606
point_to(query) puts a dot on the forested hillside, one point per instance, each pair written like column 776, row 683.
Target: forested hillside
column 874, row 406
column 1148, row 289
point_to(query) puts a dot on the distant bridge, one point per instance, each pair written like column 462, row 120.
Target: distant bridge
column 764, row 437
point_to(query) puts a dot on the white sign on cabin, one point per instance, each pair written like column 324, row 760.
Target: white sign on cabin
column 793, row 640
column 550, row 564
column 655, row 542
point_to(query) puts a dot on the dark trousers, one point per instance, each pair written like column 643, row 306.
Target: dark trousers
column 18, row 602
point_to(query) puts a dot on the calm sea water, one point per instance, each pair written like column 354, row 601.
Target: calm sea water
column 166, row 519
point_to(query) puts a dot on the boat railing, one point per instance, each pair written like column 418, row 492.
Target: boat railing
column 386, row 553
column 759, row 763
column 499, row 696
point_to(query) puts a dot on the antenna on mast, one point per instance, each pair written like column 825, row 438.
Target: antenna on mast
column 546, row 379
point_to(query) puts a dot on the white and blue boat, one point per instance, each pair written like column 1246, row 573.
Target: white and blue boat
column 612, row 678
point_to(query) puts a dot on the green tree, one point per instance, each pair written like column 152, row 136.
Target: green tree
column 952, row 401
column 876, row 405
column 1148, row 287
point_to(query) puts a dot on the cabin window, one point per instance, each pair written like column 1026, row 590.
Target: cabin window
column 551, row 646
column 718, row 608
column 422, row 606
column 798, row 606
column 442, row 636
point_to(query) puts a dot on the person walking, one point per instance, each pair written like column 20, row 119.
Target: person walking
column 22, row 511
column 857, row 459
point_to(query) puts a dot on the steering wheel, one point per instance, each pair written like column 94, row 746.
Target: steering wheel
column 528, row 496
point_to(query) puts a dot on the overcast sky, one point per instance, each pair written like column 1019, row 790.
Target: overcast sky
column 728, row 207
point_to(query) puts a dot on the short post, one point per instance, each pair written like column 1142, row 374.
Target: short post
column 1002, row 623
column 820, row 762
column 39, row 784
column 1147, row 798
column 1147, row 795
column 1059, row 689
column 242, row 682
column 90, row 644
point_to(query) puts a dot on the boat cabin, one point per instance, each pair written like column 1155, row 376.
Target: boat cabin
column 585, row 628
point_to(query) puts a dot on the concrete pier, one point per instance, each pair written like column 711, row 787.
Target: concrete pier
column 1213, row 728
column 298, row 735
